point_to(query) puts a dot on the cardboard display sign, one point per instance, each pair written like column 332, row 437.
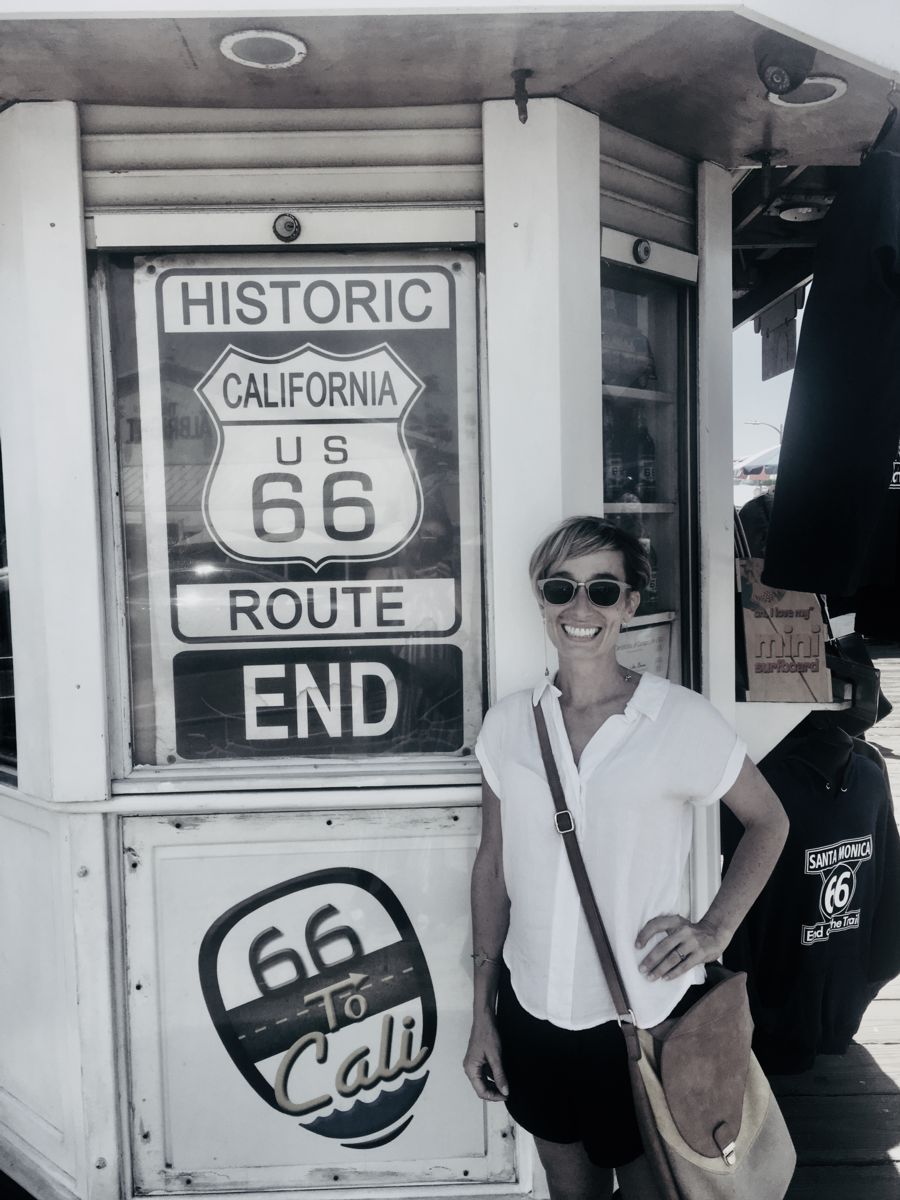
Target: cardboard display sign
column 304, row 429
column 785, row 637
column 646, row 648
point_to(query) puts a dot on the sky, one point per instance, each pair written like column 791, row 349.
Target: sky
column 753, row 399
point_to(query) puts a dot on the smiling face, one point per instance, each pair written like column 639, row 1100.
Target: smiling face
column 580, row 628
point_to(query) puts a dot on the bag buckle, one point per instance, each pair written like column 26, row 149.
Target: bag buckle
column 563, row 816
column 729, row 1150
column 626, row 1018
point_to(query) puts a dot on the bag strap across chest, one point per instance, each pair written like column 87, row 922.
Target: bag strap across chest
column 565, row 827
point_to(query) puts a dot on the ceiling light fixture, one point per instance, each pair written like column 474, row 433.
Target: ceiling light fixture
column 802, row 213
column 815, row 91
column 264, row 49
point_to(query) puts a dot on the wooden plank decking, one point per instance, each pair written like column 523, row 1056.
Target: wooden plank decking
column 844, row 1114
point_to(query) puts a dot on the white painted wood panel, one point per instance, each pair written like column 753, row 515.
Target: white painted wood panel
column 199, row 892
column 337, row 226
column 47, row 431
column 39, row 1057
column 542, row 225
column 714, row 418
column 714, row 441
column 663, row 260
column 142, row 119
column 647, row 190
column 762, row 725
column 627, row 182
column 306, row 148
column 645, row 220
column 93, row 897
column 639, row 155
column 281, row 185
column 139, row 158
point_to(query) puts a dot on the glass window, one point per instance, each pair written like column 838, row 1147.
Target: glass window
column 646, row 468
column 7, row 687
column 299, row 489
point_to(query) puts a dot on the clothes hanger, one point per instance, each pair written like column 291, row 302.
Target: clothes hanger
column 822, row 746
column 893, row 100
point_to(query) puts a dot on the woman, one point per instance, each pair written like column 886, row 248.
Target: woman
column 635, row 755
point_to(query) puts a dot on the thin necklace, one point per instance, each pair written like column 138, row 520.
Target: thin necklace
column 626, row 677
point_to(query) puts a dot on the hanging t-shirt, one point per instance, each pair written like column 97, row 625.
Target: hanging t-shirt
column 631, row 796
column 829, row 522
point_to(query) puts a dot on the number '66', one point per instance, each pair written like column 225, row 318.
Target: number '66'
column 291, row 521
column 838, row 890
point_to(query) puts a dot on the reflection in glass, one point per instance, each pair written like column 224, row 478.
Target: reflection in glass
column 7, row 686
column 645, row 394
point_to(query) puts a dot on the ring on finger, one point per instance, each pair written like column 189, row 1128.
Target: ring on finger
column 681, row 957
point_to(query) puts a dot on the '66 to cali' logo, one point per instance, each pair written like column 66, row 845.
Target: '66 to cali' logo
column 320, row 992
column 312, row 463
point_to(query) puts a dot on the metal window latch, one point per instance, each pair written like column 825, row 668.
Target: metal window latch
column 564, row 821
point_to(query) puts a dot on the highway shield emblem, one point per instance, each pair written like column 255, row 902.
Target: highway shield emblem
column 312, row 463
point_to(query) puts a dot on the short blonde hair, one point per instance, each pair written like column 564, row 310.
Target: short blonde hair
column 576, row 536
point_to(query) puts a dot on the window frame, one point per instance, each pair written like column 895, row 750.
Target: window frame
column 284, row 773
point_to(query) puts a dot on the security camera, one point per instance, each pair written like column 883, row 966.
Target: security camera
column 782, row 64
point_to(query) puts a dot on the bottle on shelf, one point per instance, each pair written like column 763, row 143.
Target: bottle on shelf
column 650, row 594
column 646, row 462
column 614, row 455
column 630, row 493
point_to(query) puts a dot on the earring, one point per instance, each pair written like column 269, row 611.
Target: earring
column 546, row 639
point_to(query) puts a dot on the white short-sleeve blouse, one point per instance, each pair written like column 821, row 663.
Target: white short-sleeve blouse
column 631, row 797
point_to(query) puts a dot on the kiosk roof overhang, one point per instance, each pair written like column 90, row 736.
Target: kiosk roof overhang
column 682, row 75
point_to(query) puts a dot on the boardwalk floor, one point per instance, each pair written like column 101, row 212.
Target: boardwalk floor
column 844, row 1114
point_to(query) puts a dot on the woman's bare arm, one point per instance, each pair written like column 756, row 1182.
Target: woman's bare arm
column 490, row 921
column 687, row 943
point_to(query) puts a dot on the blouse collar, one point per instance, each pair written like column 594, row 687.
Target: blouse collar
column 647, row 699
column 546, row 685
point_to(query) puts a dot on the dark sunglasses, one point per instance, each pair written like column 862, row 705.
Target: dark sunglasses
column 602, row 593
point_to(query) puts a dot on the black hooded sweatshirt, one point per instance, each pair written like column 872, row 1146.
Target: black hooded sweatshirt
column 824, row 934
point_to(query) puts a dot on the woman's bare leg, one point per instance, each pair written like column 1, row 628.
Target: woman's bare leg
column 636, row 1180
column 570, row 1173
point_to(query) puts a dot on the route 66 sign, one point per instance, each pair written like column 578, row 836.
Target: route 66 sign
column 299, row 468
column 325, row 1027
column 312, row 464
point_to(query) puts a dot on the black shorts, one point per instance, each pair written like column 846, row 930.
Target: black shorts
column 568, row 1085
column 572, row 1085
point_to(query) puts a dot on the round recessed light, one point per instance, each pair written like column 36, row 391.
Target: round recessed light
column 265, row 49
column 815, row 91
column 800, row 213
